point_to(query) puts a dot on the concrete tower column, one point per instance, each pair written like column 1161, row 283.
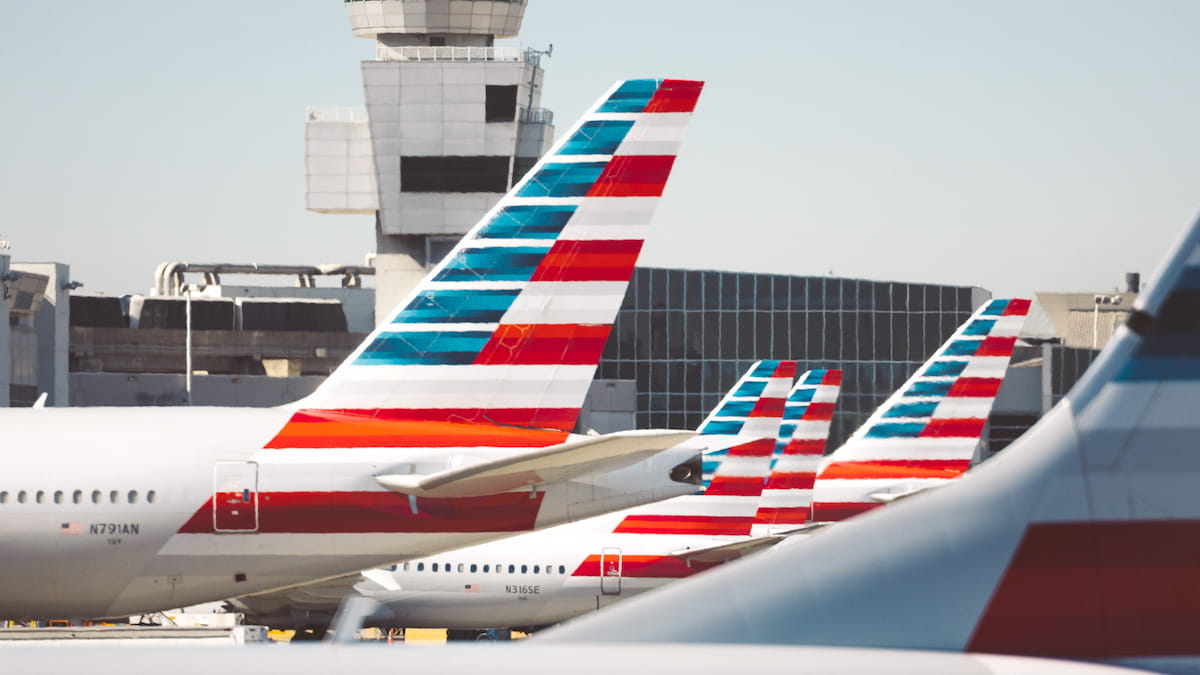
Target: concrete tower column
column 452, row 123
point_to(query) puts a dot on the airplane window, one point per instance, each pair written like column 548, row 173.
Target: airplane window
column 58, row 496
column 40, row 495
column 133, row 496
column 21, row 497
column 77, row 496
column 511, row 568
column 95, row 496
column 3, row 496
column 461, row 567
column 420, row 567
column 548, row 570
column 486, row 568
column 446, row 566
column 562, row 570
column 405, row 567
column 473, row 567
column 524, row 569
column 112, row 496
column 434, row 567
column 536, row 569
column 150, row 496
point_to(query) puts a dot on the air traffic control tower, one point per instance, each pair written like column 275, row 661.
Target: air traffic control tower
column 451, row 122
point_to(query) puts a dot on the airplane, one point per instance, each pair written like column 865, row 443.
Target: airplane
column 449, row 425
column 924, row 435
column 545, row 577
column 1078, row 541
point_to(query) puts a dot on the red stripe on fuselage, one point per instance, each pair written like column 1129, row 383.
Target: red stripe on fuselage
column 389, row 512
column 333, row 429
column 1098, row 590
column 714, row 525
column 562, row 419
column 641, row 566
column 828, row 512
column 589, row 260
column 633, row 176
column 544, row 344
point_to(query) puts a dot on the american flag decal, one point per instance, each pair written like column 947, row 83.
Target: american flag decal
column 471, row 588
column 71, row 528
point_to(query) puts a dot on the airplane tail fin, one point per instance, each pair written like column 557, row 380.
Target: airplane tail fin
column 749, row 417
column 1080, row 540
column 787, row 496
column 927, row 432
column 507, row 330
column 752, row 408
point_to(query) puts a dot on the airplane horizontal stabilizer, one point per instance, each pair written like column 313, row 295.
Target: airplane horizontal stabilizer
column 555, row 463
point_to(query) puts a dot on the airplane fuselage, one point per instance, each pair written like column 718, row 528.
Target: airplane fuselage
column 176, row 506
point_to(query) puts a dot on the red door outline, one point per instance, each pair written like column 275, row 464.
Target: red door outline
column 610, row 571
column 235, row 497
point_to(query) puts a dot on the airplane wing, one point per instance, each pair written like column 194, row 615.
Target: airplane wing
column 727, row 552
column 542, row 465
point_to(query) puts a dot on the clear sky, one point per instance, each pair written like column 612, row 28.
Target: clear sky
column 1022, row 145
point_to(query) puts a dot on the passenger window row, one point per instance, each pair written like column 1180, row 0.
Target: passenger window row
column 486, row 569
column 76, row 497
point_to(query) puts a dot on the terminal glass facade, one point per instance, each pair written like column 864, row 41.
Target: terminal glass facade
column 685, row 336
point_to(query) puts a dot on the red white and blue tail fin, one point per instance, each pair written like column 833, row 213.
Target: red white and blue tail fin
column 752, row 408
column 508, row 329
column 746, row 424
column 1081, row 540
column 787, row 497
column 928, row 431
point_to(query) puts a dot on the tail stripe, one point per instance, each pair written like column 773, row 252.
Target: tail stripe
column 787, row 495
column 728, row 503
column 534, row 288
column 938, row 415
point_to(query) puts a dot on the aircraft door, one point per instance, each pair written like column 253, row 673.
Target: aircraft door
column 610, row 571
column 235, row 497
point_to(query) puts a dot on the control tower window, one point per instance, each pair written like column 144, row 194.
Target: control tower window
column 454, row 174
column 500, row 103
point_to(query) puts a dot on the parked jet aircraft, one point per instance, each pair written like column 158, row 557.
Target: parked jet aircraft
column 447, row 426
column 545, row 577
column 1079, row 541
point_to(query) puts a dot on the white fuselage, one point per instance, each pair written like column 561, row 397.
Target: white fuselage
column 532, row 580
column 116, row 511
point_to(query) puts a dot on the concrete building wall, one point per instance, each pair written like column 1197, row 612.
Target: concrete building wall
column 146, row 389
column 51, row 325
column 339, row 167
